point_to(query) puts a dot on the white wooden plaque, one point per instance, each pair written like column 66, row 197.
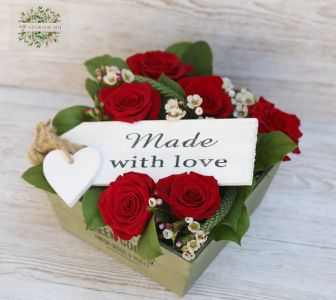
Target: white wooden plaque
column 223, row 148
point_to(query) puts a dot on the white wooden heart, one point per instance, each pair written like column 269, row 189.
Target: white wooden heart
column 71, row 180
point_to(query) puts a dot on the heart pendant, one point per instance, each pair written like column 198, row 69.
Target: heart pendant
column 71, row 180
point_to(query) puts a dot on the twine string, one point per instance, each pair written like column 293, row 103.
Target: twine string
column 47, row 140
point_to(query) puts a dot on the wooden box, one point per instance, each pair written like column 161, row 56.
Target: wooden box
column 170, row 270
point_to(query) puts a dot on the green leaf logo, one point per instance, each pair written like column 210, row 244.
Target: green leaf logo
column 39, row 27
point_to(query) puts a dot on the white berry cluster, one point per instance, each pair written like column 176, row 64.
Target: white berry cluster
column 240, row 98
column 112, row 75
column 196, row 243
column 173, row 110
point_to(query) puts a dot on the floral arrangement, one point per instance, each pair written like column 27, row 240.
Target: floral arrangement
column 185, row 210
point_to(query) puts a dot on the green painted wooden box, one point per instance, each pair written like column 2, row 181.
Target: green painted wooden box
column 170, row 270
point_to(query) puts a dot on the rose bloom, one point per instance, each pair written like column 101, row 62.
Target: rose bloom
column 190, row 195
column 153, row 63
column 216, row 103
column 271, row 118
column 130, row 102
column 123, row 205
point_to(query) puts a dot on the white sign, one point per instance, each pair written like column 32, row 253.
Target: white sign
column 223, row 148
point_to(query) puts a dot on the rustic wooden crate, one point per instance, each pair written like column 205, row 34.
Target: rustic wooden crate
column 170, row 269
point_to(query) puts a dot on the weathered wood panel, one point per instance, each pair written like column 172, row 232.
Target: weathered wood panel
column 282, row 49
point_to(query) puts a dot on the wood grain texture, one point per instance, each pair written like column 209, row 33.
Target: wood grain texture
column 282, row 49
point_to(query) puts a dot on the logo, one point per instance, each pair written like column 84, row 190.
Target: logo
column 39, row 27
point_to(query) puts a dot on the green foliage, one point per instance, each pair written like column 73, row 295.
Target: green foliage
column 35, row 176
column 104, row 60
column 227, row 233
column 171, row 84
column 166, row 92
column 228, row 196
column 92, row 88
column 92, row 217
column 179, row 48
column 272, row 147
column 148, row 245
column 236, row 222
column 69, row 118
column 199, row 55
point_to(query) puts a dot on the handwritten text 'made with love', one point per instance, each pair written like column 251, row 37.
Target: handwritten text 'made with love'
column 223, row 148
column 158, row 141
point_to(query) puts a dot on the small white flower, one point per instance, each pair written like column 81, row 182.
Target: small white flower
column 199, row 111
column 194, row 226
column 127, row 75
column 161, row 226
column 112, row 69
column 175, row 114
column 238, row 97
column 194, row 101
column 152, row 202
column 171, row 104
column 241, row 113
column 193, row 245
column 248, row 98
column 159, row 201
column 188, row 255
column 250, row 101
column 232, row 93
column 178, row 244
column 240, row 106
column 243, row 98
column 111, row 78
column 167, row 234
column 227, row 84
column 188, row 219
column 201, row 237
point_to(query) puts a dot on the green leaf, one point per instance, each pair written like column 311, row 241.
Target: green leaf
column 104, row 60
column 171, row 84
column 92, row 217
column 69, row 118
column 35, row 176
column 232, row 218
column 148, row 245
column 243, row 224
column 199, row 55
column 92, row 88
column 179, row 48
column 272, row 147
column 223, row 232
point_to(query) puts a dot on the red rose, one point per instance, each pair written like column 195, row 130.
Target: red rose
column 123, row 204
column 216, row 103
column 271, row 118
column 190, row 195
column 130, row 102
column 153, row 63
